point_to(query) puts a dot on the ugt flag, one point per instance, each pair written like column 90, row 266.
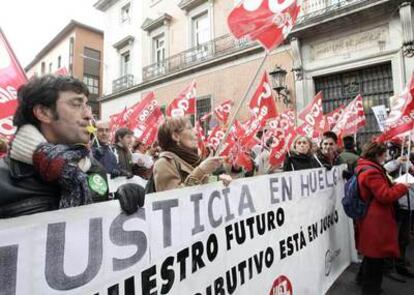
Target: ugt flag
column 267, row 21
column 12, row 77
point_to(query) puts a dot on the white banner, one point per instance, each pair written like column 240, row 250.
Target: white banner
column 380, row 113
column 279, row 234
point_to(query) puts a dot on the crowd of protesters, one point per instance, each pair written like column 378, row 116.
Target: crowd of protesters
column 54, row 162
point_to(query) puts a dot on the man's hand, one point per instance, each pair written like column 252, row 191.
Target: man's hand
column 131, row 196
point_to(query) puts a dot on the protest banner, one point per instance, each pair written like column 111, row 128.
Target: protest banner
column 260, row 235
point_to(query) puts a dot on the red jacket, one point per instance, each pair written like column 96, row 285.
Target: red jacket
column 377, row 231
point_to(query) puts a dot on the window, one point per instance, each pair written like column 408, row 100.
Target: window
column 91, row 61
column 159, row 49
column 71, row 45
column 125, row 64
column 43, row 68
column 125, row 13
column 50, row 67
column 59, row 62
column 200, row 29
column 92, row 82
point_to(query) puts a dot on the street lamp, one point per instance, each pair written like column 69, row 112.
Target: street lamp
column 278, row 76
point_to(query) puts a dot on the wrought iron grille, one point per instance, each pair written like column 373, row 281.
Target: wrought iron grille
column 375, row 85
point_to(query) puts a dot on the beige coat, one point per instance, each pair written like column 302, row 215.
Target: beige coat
column 167, row 176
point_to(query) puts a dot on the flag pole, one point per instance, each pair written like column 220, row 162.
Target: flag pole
column 236, row 111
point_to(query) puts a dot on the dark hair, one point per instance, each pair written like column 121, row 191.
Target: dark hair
column 349, row 143
column 330, row 134
column 372, row 150
column 137, row 144
column 167, row 128
column 121, row 133
column 43, row 91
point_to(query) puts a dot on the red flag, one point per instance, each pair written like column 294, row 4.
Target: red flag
column 200, row 138
column 333, row 116
column 185, row 103
column 267, row 21
column 262, row 103
column 11, row 78
column 116, row 121
column 352, row 118
column 313, row 113
column 400, row 119
column 283, row 132
column 147, row 134
column 223, row 110
column 206, row 116
column 146, row 113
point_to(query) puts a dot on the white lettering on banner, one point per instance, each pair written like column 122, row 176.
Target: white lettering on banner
column 147, row 111
column 207, row 239
column 6, row 126
column 274, row 6
column 7, row 94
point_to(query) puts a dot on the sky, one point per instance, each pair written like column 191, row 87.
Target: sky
column 30, row 24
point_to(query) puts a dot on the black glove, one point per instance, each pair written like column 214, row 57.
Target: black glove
column 346, row 174
column 131, row 196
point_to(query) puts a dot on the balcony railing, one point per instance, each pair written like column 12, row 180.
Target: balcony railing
column 215, row 48
column 122, row 83
column 314, row 8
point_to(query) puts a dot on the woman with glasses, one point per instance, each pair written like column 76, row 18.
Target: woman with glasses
column 179, row 163
column 301, row 156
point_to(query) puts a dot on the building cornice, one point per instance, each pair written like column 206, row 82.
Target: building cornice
column 103, row 5
column 58, row 38
column 150, row 25
column 188, row 5
column 128, row 40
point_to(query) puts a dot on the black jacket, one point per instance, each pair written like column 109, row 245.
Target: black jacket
column 23, row 192
column 295, row 161
column 326, row 162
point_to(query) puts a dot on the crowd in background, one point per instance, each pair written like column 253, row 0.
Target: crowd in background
column 52, row 163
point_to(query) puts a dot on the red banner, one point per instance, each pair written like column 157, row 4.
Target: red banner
column 267, row 21
column 145, row 118
column 262, row 104
column 333, row 116
column 352, row 118
column 283, row 132
column 401, row 117
column 185, row 103
column 313, row 113
column 12, row 77
column 146, row 113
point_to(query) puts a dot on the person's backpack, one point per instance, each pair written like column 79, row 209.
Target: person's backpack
column 353, row 205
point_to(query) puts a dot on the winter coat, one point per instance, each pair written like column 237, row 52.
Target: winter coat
column 23, row 192
column 350, row 158
column 124, row 159
column 295, row 161
column 106, row 156
column 170, row 171
column 377, row 230
column 326, row 162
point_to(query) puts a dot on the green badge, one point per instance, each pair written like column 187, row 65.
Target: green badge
column 98, row 184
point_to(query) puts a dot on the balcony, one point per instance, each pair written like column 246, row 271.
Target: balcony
column 122, row 83
column 204, row 52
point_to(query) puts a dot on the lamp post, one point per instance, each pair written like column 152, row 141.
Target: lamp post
column 278, row 76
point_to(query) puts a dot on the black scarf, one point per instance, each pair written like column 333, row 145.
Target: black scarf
column 188, row 155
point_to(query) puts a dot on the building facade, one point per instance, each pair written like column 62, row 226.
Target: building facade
column 77, row 48
column 181, row 41
column 346, row 48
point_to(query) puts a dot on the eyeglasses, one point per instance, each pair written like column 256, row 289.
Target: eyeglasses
column 80, row 106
